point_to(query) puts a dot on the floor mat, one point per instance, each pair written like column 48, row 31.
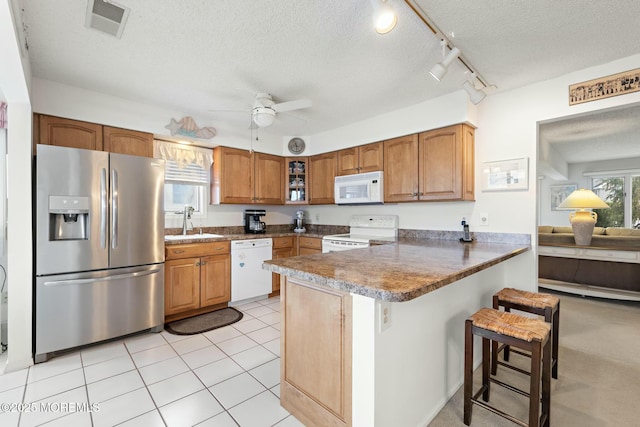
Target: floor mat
column 204, row 322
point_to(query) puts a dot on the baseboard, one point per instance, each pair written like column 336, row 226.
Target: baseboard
column 587, row 290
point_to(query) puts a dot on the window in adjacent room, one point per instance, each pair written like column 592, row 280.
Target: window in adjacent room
column 186, row 176
column 622, row 194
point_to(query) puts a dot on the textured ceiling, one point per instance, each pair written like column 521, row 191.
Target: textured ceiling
column 202, row 55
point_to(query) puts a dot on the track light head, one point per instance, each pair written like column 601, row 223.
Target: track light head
column 440, row 69
column 384, row 17
column 475, row 95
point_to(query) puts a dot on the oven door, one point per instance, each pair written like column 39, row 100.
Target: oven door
column 333, row 245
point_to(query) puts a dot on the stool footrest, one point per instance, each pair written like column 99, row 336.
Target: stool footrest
column 506, row 365
column 499, row 412
column 509, row 387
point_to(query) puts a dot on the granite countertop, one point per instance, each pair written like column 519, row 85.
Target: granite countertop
column 192, row 238
column 398, row 271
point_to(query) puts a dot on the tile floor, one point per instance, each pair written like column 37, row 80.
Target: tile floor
column 225, row 377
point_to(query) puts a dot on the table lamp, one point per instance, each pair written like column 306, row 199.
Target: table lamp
column 583, row 221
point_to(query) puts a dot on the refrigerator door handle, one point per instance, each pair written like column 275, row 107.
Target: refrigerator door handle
column 114, row 209
column 103, row 208
column 101, row 279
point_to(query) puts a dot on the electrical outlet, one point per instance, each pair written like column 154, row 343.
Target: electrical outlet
column 317, row 218
column 384, row 315
column 484, row 218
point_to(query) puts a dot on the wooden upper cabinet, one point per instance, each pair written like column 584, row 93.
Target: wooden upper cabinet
column 69, row 133
column 268, row 173
column 322, row 173
column 446, row 163
column 361, row 159
column 241, row 177
column 348, row 161
column 126, row 141
column 370, row 157
column 231, row 178
column 401, row 169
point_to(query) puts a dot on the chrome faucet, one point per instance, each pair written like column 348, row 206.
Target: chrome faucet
column 186, row 214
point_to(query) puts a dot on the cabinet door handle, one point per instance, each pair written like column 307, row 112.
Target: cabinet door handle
column 219, row 249
column 203, row 263
column 414, row 194
column 198, row 264
column 178, row 251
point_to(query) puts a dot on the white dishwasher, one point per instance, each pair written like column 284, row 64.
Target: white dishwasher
column 248, row 279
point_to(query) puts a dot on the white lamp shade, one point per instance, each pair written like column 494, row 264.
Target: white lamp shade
column 583, row 199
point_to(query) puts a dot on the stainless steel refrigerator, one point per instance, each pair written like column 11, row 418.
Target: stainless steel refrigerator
column 99, row 247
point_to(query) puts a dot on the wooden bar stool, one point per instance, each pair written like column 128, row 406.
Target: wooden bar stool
column 531, row 302
column 518, row 331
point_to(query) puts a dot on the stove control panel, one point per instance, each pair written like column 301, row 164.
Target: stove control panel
column 374, row 221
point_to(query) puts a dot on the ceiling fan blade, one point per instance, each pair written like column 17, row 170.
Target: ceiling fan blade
column 292, row 105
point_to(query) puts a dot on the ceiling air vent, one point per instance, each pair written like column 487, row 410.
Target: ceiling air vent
column 106, row 16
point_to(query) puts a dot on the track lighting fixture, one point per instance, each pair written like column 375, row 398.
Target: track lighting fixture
column 475, row 95
column 440, row 69
column 384, row 18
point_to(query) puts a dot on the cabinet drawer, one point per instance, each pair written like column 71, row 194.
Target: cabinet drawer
column 196, row 249
column 557, row 251
column 282, row 242
column 628, row 256
column 310, row 242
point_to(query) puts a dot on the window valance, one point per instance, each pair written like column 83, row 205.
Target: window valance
column 183, row 155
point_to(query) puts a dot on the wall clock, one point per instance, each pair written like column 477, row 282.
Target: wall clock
column 296, row 145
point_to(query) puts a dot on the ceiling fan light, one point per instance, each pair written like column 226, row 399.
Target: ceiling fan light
column 475, row 95
column 263, row 116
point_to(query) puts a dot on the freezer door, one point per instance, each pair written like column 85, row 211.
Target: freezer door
column 137, row 211
column 83, row 308
column 71, row 210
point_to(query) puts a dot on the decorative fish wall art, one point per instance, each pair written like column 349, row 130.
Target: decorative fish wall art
column 186, row 126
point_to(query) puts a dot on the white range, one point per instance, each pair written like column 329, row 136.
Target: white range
column 363, row 229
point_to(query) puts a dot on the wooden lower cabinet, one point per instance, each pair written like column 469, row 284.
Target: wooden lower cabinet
column 315, row 363
column 197, row 279
column 309, row 245
column 283, row 247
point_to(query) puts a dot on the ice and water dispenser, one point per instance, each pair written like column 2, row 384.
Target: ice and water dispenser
column 68, row 218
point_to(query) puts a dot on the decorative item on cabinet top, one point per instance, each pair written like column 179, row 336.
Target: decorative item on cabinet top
column 186, row 126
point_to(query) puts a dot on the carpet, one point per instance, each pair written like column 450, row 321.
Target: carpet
column 204, row 322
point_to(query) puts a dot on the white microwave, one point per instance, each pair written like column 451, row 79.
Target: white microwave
column 360, row 188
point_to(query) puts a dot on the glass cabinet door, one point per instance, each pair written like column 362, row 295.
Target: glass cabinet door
column 296, row 182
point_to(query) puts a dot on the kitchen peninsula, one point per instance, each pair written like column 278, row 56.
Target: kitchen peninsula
column 374, row 336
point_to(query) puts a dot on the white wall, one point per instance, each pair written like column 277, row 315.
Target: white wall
column 14, row 84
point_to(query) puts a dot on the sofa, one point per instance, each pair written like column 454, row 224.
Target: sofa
column 610, row 237
column 612, row 260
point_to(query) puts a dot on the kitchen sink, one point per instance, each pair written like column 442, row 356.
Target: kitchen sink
column 192, row 236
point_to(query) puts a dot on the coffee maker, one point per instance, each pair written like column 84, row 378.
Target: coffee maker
column 252, row 223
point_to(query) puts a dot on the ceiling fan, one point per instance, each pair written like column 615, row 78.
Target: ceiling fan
column 265, row 110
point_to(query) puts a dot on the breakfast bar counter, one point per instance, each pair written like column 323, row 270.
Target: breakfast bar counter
column 397, row 272
column 375, row 336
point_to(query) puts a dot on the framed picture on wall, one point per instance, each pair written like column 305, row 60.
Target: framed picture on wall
column 559, row 193
column 505, row 175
